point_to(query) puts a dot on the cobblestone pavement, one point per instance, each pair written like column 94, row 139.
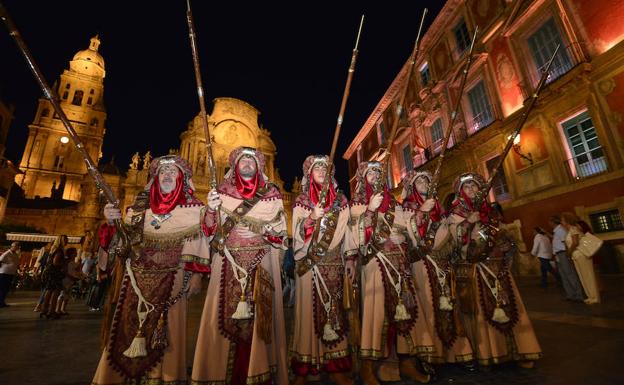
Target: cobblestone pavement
column 582, row 344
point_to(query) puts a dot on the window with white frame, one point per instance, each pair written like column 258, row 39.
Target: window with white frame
column 542, row 44
column 425, row 75
column 407, row 158
column 437, row 135
column 480, row 106
column 587, row 154
column 462, row 37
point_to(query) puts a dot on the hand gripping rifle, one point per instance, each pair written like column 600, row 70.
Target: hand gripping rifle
column 343, row 106
column 525, row 115
column 400, row 106
column 435, row 178
column 49, row 94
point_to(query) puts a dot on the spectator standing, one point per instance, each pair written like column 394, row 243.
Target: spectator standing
column 9, row 261
column 543, row 250
column 569, row 278
column 583, row 263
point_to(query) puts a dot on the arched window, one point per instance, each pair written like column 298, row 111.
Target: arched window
column 90, row 100
column 65, row 95
column 94, row 122
column 78, row 97
column 45, row 113
column 67, row 86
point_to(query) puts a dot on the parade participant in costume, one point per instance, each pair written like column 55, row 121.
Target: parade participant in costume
column 320, row 332
column 433, row 270
column 392, row 321
column 147, row 340
column 494, row 315
column 242, row 336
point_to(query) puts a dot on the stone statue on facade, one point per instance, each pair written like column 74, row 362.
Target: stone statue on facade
column 147, row 159
column 135, row 161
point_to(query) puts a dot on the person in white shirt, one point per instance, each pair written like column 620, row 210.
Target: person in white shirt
column 542, row 249
column 569, row 278
column 9, row 261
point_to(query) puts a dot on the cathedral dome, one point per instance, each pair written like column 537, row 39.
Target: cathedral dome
column 89, row 60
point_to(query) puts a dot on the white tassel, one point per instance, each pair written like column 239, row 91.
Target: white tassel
column 500, row 316
column 401, row 313
column 242, row 310
column 328, row 333
column 137, row 347
column 445, row 303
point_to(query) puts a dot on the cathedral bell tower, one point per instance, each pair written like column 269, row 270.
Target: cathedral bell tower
column 49, row 159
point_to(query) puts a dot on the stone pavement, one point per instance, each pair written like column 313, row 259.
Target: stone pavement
column 582, row 344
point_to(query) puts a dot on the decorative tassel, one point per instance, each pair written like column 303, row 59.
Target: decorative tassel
column 499, row 315
column 242, row 309
column 328, row 333
column 445, row 303
column 137, row 347
column 159, row 337
column 401, row 313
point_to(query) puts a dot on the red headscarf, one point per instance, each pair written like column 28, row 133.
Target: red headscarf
column 161, row 203
column 484, row 211
column 315, row 191
column 434, row 214
column 387, row 198
column 247, row 188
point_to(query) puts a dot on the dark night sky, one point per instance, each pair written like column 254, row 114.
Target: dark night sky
column 289, row 62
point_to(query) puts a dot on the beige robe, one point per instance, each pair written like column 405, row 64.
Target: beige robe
column 307, row 346
column 418, row 341
column 585, row 268
column 460, row 350
column 490, row 345
column 214, row 353
column 181, row 230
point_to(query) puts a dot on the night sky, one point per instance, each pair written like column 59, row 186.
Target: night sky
column 289, row 62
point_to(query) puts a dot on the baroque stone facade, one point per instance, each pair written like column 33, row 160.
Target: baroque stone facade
column 574, row 137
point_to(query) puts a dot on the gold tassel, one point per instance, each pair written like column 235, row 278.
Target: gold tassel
column 499, row 315
column 242, row 309
column 401, row 313
column 329, row 334
column 445, row 303
column 137, row 347
column 159, row 337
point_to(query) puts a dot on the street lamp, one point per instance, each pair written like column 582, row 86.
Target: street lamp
column 64, row 139
column 516, row 147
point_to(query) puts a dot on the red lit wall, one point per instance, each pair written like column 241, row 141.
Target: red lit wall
column 507, row 79
column 537, row 213
column 615, row 99
column 603, row 21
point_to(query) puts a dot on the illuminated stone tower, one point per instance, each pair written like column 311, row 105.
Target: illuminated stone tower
column 51, row 165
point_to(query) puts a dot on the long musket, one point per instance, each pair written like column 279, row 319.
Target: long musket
column 200, row 96
column 52, row 97
column 523, row 119
column 433, row 185
column 343, row 106
column 400, row 106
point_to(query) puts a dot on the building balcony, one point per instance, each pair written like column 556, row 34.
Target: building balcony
column 582, row 166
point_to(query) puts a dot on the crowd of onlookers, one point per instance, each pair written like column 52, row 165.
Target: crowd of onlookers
column 560, row 255
column 61, row 271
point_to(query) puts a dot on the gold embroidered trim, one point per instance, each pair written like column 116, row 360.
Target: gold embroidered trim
column 151, row 239
column 308, row 359
column 195, row 259
column 165, row 270
column 248, row 248
column 255, row 225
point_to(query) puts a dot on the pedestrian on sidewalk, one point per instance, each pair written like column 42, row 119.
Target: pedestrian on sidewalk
column 72, row 269
column 582, row 263
column 9, row 260
column 42, row 261
column 542, row 249
column 52, row 278
column 569, row 278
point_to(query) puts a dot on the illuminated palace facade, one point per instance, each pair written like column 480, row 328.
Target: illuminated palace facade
column 570, row 156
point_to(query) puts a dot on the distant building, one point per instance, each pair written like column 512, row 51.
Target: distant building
column 574, row 136
column 57, row 194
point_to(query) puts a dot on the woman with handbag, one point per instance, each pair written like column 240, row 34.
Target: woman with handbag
column 582, row 262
